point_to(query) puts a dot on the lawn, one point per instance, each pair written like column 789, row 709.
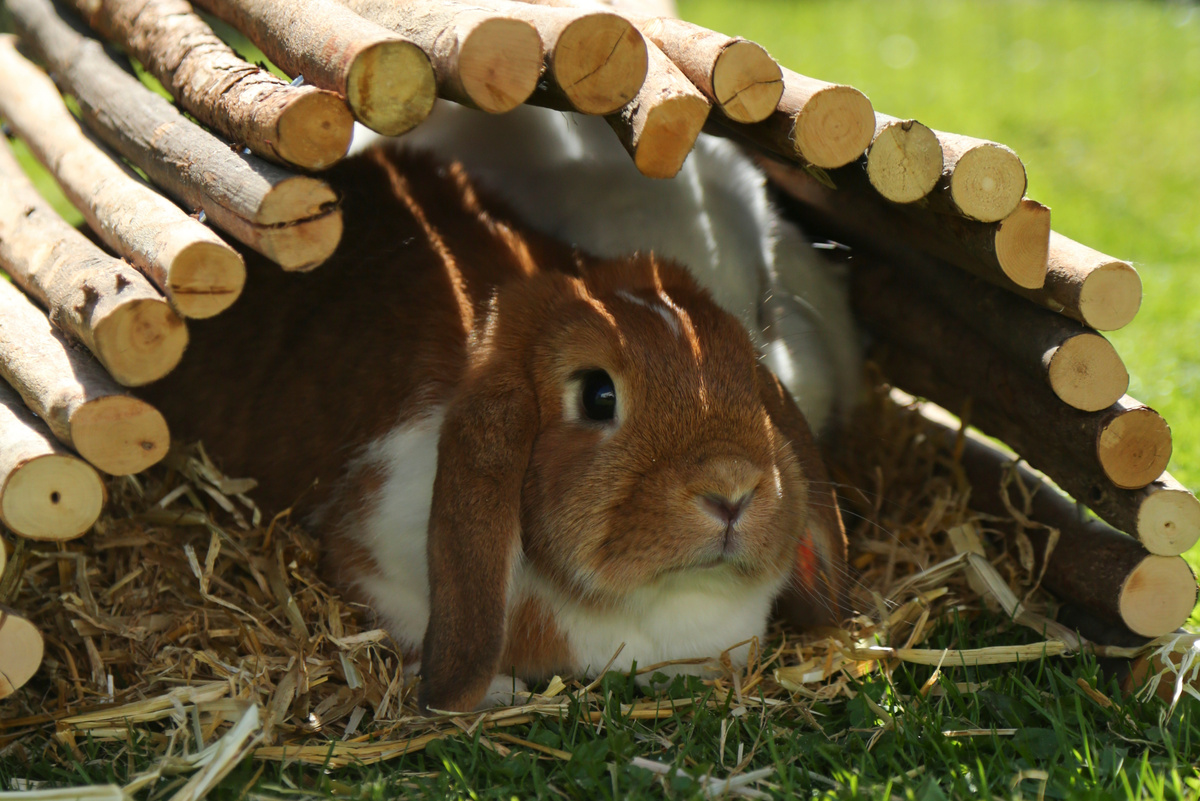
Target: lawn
column 1102, row 101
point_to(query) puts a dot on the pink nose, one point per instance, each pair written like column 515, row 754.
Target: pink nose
column 723, row 509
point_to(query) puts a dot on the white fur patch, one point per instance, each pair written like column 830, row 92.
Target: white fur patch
column 682, row 616
column 397, row 526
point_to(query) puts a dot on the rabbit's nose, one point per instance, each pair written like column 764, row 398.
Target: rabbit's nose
column 726, row 510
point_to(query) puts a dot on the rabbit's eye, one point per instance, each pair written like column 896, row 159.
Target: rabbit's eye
column 598, row 396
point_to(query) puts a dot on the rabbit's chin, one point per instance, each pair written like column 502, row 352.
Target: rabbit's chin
column 695, row 614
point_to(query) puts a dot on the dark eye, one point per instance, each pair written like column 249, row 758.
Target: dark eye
column 598, row 396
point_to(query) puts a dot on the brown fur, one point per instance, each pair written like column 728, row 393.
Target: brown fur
column 438, row 298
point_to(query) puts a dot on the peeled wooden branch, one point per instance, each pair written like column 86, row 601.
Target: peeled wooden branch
column 21, row 649
column 823, row 124
column 660, row 125
column 928, row 352
column 299, row 125
column 904, row 161
column 102, row 301
column 1092, row 564
column 75, row 398
column 1085, row 285
column 1079, row 365
column 981, row 180
column 386, row 80
column 481, row 58
column 1011, row 253
column 291, row 219
column 199, row 273
column 45, row 492
column 737, row 75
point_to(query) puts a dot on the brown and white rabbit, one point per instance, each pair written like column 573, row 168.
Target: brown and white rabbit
column 523, row 456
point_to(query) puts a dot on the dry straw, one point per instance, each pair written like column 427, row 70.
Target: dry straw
column 192, row 620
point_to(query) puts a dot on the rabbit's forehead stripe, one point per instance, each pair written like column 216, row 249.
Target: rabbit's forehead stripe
column 659, row 308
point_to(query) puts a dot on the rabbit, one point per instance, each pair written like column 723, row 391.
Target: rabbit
column 568, row 176
column 517, row 454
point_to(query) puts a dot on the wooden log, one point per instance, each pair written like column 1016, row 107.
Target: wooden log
column 1078, row 365
column 929, row 353
column 660, row 125
column 387, row 80
column 1011, row 253
column 291, row 219
column 480, row 58
column 595, row 60
column 981, row 180
column 738, row 76
column 300, row 125
column 45, row 492
column 1092, row 564
column 1086, row 285
column 77, row 400
column 21, row 649
column 904, row 161
column 822, row 124
column 198, row 273
column 103, row 302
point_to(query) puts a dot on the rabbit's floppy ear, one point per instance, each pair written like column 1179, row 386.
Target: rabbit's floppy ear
column 816, row 594
column 474, row 530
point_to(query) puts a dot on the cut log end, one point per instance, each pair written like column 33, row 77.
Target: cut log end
column 21, row 649
column 120, row 434
column 834, row 127
column 988, row 182
column 1023, row 244
column 1168, row 521
column 1086, row 373
column 499, row 64
column 390, row 87
column 205, row 279
column 746, row 81
column 668, row 135
column 599, row 63
column 304, row 246
column 905, row 161
column 1134, row 447
column 1111, row 296
column 53, row 497
column 314, row 132
column 295, row 200
column 140, row 341
column 1158, row 596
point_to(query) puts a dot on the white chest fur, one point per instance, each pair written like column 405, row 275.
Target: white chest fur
column 683, row 616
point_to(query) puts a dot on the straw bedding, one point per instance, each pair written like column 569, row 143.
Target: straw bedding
column 197, row 621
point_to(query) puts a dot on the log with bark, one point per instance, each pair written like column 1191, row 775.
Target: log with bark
column 904, row 161
column 1086, row 285
column 292, row 219
column 387, row 80
column 981, row 180
column 1087, row 563
column 21, row 649
column 103, row 302
column 595, row 60
column 817, row 123
column 300, row 125
column 738, row 76
column 199, row 273
column 46, row 493
column 1011, row 253
column 480, row 58
column 925, row 350
column 660, row 125
column 1078, row 365
column 73, row 395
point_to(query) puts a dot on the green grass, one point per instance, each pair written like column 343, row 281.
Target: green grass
column 1102, row 101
